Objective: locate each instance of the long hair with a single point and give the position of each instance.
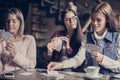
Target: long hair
(118, 22)
(107, 11)
(77, 35)
(79, 32)
(19, 16)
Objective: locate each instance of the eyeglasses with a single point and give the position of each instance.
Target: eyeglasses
(74, 18)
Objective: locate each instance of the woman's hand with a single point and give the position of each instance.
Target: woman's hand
(50, 46)
(67, 41)
(56, 43)
(11, 48)
(97, 56)
(54, 66)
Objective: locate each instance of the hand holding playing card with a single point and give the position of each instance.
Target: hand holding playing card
(11, 48)
(58, 44)
(93, 48)
(55, 44)
(97, 56)
(5, 35)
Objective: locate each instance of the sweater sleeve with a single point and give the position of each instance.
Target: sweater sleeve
(28, 61)
(113, 65)
(77, 60)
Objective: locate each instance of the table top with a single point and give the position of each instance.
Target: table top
(41, 74)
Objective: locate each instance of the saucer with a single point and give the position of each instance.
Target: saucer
(93, 77)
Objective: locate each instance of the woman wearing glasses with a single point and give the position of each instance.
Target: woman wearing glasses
(65, 44)
(104, 35)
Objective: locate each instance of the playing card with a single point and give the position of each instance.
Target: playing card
(93, 48)
(6, 35)
(56, 74)
(2, 32)
(58, 44)
(52, 72)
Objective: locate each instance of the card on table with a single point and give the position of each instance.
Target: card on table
(55, 74)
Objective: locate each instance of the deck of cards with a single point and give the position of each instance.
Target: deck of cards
(5, 34)
(58, 44)
(92, 48)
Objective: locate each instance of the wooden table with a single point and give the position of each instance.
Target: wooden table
(38, 74)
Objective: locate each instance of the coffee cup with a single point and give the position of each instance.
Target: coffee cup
(92, 70)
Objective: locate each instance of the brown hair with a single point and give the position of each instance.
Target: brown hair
(107, 11)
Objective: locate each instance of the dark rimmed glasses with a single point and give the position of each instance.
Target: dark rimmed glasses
(74, 18)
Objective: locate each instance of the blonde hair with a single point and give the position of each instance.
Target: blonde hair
(107, 11)
(19, 16)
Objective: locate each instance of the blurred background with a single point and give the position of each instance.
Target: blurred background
(42, 18)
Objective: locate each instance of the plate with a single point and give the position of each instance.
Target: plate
(93, 77)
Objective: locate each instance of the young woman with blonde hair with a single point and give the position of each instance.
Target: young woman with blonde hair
(104, 35)
(20, 50)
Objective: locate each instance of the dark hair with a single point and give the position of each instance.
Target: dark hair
(77, 35)
(63, 16)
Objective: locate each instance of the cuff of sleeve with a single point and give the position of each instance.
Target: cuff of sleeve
(104, 61)
(16, 56)
(70, 51)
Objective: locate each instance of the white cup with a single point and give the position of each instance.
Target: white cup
(92, 70)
